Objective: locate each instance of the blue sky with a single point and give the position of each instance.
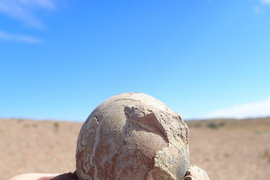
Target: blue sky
(59, 59)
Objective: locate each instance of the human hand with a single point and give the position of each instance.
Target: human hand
(66, 176)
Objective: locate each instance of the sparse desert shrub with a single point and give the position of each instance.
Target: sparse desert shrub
(266, 154)
(213, 125)
(56, 126)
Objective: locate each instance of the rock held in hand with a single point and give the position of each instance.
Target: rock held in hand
(132, 136)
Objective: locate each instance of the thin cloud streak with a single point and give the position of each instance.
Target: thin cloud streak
(20, 38)
(47, 4)
(23, 10)
(250, 110)
(265, 1)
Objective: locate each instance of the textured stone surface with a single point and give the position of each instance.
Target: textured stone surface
(132, 136)
(196, 173)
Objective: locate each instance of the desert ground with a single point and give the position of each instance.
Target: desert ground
(225, 149)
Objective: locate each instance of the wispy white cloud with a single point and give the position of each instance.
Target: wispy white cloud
(16, 37)
(24, 10)
(48, 4)
(250, 110)
(258, 9)
(265, 1)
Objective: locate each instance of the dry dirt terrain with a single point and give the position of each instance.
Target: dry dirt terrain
(225, 149)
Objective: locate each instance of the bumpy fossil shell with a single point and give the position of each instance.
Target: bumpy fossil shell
(132, 136)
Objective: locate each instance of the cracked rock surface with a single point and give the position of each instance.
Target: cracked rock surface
(132, 136)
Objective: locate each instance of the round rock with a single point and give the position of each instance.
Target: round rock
(132, 136)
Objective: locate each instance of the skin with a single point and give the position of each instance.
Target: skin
(65, 176)
(194, 173)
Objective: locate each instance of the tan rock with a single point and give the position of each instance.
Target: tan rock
(132, 136)
(196, 173)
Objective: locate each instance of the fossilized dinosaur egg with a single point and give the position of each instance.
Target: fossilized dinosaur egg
(132, 136)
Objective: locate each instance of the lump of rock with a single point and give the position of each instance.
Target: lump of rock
(196, 173)
(132, 136)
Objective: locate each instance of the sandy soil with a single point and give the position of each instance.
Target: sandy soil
(49, 146)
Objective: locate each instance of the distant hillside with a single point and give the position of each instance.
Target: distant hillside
(257, 124)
